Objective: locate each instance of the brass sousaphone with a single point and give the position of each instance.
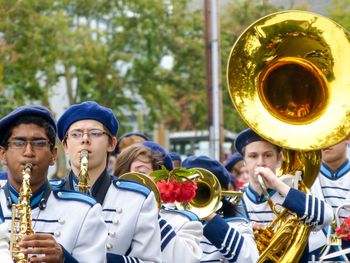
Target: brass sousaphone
(288, 78)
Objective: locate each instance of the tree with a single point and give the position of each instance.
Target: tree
(236, 17)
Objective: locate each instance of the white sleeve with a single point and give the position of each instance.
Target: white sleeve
(181, 244)
(4, 246)
(146, 241)
(91, 241)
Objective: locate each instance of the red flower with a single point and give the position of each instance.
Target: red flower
(175, 191)
(343, 231)
(340, 230)
(168, 190)
(187, 191)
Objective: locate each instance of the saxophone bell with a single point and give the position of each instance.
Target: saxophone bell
(83, 174)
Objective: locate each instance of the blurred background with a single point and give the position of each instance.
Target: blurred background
(151, 61)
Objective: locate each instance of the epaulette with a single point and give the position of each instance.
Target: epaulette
(73, 196)
(236, 219)
(131, 186)
(190, 215)
(3, 175)
(57, 183)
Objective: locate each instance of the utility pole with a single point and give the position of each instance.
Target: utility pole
(213, 73)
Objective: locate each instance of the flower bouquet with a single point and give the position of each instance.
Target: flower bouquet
(343, 231)
(178, 185)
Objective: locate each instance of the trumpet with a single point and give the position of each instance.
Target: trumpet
(145, 180)
(208, 195)
(21, 223)
(83, 174)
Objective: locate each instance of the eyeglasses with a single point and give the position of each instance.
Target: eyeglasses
(78, 134)
(22, 144)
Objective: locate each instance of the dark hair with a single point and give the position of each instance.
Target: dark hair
(227, 209)
(37, 120)
(129, 155)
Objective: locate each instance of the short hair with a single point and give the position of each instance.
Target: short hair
(28, 119)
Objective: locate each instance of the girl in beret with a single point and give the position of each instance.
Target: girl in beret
(180, 232)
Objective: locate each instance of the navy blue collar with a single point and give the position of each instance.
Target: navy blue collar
(334, 175)
(100, 187)
(255, 197)
(39, 198)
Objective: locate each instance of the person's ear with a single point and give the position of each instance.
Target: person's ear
(53, 156)
(3, 157)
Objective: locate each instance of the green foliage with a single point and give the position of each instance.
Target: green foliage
(112, 51)
(180, 174)
(236, 17)
(340, 12)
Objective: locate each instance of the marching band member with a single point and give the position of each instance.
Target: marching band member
(68, 226)
(227, 237)
(181, 231)
(128, 139)
(331, 186)
(176, 158)
(263, 158)
(129, 209)
(236, 166)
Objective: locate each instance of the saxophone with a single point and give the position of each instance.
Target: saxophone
(21, 218)
(83, 174)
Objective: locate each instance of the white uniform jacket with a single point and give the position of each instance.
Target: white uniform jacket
(74, 219)
(312, 210)
(4, 245)
(228, 240)
(181, 233)
(333, 188)
(131, 214)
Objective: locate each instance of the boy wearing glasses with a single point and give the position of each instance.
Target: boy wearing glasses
(68, 226)
(129, 209)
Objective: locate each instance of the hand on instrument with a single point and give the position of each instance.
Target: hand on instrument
(209, 217)
(271, 180)
(44, 245)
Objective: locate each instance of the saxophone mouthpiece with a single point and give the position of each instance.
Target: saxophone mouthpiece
(84, 154)
(28, 166)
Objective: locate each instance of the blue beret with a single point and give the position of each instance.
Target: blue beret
(211, 165)
(232, 160)
(88, 110)
(175, 156)
(246, 137)
(155, 147)
(33, 110)
(129, 134)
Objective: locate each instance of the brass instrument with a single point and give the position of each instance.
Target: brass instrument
(83, 176)
(21, 224)
(145, 180)
(208, 195)
(287, 77)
